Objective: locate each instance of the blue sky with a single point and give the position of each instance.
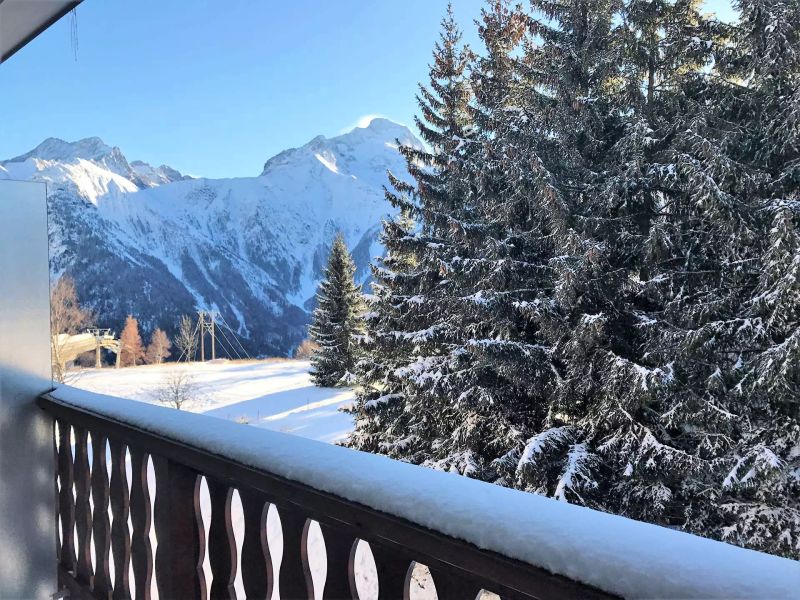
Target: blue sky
(214, 88)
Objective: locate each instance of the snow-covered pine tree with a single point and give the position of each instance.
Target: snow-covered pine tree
(499, 377)
(470, 373)
(611, 302)
(381, 420)
(667, 457)
(596, 421)
(635, 455)
(702, 266)
(760, 493)
(411, 320)
(337, 320)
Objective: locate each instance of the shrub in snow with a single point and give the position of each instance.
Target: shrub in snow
(177, 389)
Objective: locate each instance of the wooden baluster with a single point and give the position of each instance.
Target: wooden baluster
(394, 573)
(294, 580)
(66, 500)
(257, 575)
(101, 527)
(454, 585)
(120, 537)
(83, 511)
(180, 533)
(56, 494)
(141, 552)
(221, 541)
(340, 552)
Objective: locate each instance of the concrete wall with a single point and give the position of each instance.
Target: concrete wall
(27, 496)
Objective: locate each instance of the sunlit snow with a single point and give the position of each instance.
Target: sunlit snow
(273, 394)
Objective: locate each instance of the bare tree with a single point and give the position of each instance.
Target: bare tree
(178, 389)
(186, 340)
(67, 317)
(159, 347)
(306, 349)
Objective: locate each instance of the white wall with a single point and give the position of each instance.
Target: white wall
(27, 496)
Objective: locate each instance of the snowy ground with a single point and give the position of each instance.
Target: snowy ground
(275, 394)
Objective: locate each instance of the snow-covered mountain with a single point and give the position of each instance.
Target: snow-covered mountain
(156, 244)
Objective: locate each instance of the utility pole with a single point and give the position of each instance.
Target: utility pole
(202, 328)
(213, 337)
(207, 323)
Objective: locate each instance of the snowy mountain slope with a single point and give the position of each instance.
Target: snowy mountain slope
(152, 243)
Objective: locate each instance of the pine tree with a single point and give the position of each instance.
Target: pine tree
(572, 67)
(759, 500)
(499, 372)
(159, 349)
(381, 420)
(593, 292)
(411, 323)
(132, 352)
(338, 319)
(635, 457)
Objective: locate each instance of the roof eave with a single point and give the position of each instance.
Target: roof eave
(6, 53)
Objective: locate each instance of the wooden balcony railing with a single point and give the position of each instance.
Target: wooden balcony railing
(459, 569)
(472, 536)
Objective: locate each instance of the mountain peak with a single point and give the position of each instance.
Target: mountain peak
(372, 146)
(383, 124)
(95, 150)
(147, 176)
(90, 148)
(379, 131)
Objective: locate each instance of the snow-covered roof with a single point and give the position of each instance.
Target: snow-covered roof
(618, 555)
(23, 20)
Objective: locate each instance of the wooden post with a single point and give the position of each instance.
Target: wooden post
(178, 522)
(97, 362)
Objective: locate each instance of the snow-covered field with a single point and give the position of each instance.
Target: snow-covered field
(275, 394)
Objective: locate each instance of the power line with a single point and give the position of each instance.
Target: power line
(224, 323)
(222, 331)
(229, 348)
(207, 321)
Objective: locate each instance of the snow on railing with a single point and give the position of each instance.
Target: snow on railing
(514, 540)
